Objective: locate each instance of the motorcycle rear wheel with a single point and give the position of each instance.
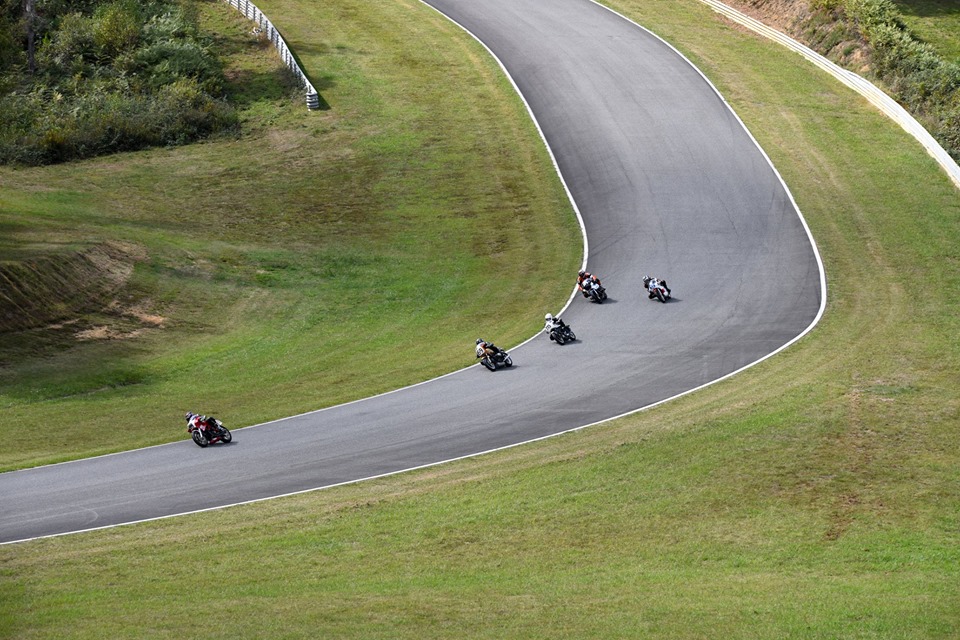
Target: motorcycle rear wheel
(571, 335)
(226, 436)
(507, 361)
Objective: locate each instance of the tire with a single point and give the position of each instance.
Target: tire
(560, 338)
(507, 361)
(488, 364)
(227, 436)
(662, 298)
(571, 335)
(200, 439)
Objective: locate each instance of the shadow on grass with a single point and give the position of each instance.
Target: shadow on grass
(246, 88)
(929, 8)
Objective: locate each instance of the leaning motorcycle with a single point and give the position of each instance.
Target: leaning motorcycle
(595, 291)
(207, 431)
(659, 292)
(562, 334)
(499, 358)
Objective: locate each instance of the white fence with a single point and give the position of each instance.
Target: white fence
(875, 96)
(252, 12)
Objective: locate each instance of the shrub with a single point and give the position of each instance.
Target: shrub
(116, 28)
(166, 61)
(115, 75)
(926, 84)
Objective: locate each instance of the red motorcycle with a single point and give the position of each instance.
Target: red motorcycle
(208, 430)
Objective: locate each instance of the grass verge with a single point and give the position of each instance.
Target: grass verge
(815, 495)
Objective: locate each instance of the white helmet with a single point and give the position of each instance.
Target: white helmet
(549, 316)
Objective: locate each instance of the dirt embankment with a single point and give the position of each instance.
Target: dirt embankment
(814, 24)
(55, 289)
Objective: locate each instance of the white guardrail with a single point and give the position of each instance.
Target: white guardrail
(252, 12)
(874, 95)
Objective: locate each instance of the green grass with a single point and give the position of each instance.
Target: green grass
(936, 22)
(277, 272)
(816, 495)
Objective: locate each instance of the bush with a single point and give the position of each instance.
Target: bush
(115, 75)
(116, 28)
(167, 61)
(926, 84)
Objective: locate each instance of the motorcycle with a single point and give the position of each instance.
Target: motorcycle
(206, 431)
(499, 358)
(562, 334)
(595, 291)
(659, 291)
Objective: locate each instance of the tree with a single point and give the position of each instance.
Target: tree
(30, 11)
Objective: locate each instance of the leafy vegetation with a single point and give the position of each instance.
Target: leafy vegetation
(920, 78)
(936, 22)
(105, 76)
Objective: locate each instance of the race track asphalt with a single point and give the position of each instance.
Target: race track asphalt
(667, 181)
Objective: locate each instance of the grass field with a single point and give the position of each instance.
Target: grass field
(816, 495)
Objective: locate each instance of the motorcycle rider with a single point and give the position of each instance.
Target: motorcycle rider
(485, 349)
(550, 324)
(653, 283)
(197, 421)
(586, 276)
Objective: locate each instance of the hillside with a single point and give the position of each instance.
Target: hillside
(873, 39)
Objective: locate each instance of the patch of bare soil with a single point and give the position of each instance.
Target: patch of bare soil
(104, 332)
(818, 26)
(782, 14)
(54, 290)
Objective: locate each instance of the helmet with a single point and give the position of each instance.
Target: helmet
(189, 415)
(582, 273)
(646, 279)
(549, 316)
(479, 340)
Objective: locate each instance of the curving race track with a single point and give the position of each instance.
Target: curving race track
(667, 182)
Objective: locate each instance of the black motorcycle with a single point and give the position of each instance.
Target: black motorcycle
(562, 334)
(595, 291)
(499, 358)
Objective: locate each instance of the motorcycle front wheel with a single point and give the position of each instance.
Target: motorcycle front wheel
(200, 439)
(489, 364)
